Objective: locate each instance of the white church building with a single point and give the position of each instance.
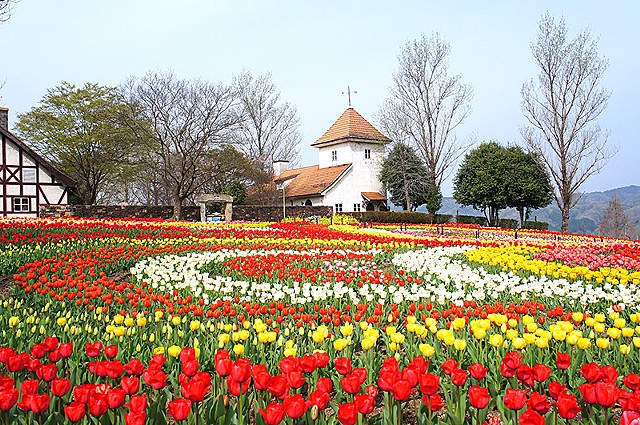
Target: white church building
(27, 181)
(350, 157)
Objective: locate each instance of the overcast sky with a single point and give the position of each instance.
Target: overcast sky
(315, 49)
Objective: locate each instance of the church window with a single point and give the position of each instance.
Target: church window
(367, 154)
(334, 155)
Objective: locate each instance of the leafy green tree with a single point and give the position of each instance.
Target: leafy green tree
(80, 131)
(527, 182)
(480, 180)
(493, 177)
(405, 177)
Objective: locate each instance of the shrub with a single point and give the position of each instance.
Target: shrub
(471, 219)
(508, 223)
(408, 217)
(536, 225)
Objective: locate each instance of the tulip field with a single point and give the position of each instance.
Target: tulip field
(168, 322)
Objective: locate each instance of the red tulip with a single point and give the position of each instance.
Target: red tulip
(348, 413)
(130, 384)
(135, 418)
(459, 377)
(38, 351)
(17, 362)
(111, 351)
(514, 399)
(51, 343)
(8, 398)
(449, 366)
(6, 383)
(236, 388)
(512, 360)
(223, 366)
(295, 379)
(479, 397)
(322, 359)
(563, 361)
(40, 403)
(47, 372)
(93, 350)
(308, 364)
(324, 384)
(137, 403)
(116, 397)
(29, 386)
(60, 387)
(295, 406)
(25, 403)
(195, 390)
(556, 388)
(591, 372)
(289, 364)
(630, 418)
(506, 371)
(179, 409)
(632, 381)
(410, 374)
(350, 384)
(134, 367)
(75, 411)
(155, 378)
(98, 404)
(477, 371)
(187, 353)
(241, 370)
(539, 403)
(55, 356)
(81, 393)
(420, 363)
(273, 414)
(190, 367)
(365, 403)
(606, 394)
(387, 379)
(278, 386)
(567, 405)
(402, 390)
(588, 392)
(66, 349)
(610, 374)
(433, 402)
(260, 377)
(319, 398)
(157, 361)
(541, 372)
(429, 383)
(531, 418)
(343, 365)
(525, 374)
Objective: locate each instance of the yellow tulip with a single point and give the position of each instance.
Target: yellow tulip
(496, 340)
(459, 344)
(603, 343)
(584, 343)
(174, 351)
(625, 349)
(194, 325)
(238, 349)
(427, 350)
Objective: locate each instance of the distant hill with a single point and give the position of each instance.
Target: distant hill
(585, 216)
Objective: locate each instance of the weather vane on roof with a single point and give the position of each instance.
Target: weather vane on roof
(348, 93)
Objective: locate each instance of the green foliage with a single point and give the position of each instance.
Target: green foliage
(471, 219)
(407, 179)
(493, 177)
(237, 190)
(433, 200)
(535, 225)
(508, 223)
(80, 131)
(400, 217)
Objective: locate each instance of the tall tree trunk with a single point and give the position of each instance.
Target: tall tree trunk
(564, 209)
(177, 207)
(521, 211)
(406, 192)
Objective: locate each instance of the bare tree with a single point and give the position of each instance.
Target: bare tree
(426, 104)
(269, 127)
(185, 120)
(615, 223)
(5, 9)
(561, 106)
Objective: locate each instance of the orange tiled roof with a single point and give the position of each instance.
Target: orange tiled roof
(351, 125)
(374, 196)
(309, 181)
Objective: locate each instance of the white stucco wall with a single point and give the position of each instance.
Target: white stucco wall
(13, 155)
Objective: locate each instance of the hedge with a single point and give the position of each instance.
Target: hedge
(536, 225)
(508, 223)
(400, 217)
(471, 219)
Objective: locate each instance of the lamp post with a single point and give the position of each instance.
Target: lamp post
(284, 203)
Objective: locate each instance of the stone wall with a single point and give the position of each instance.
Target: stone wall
(189, 213)
(274, 213)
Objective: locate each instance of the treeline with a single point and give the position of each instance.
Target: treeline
(162, 140)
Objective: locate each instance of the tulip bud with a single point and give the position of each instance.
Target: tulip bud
(225, 400)
(314, 412)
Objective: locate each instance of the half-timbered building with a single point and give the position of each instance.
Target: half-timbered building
(28, 181)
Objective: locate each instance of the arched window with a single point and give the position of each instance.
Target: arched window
(308, 203)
